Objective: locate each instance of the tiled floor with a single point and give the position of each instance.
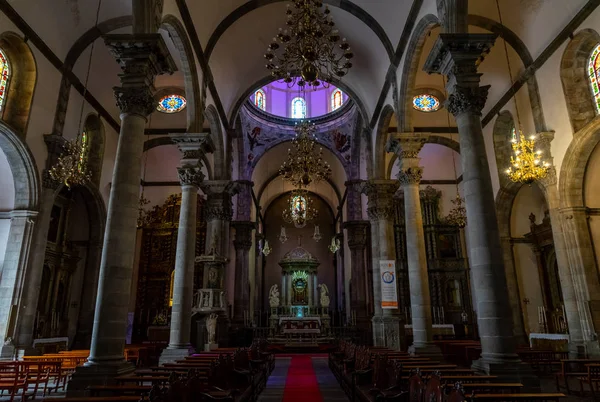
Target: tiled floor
(328, 385)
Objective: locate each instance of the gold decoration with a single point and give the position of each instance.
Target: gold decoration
(300, 210)
(70, 167)
(310, 45)
(304, 166)
(457, 215)
(527, 166)
(266, 249)
(335, 245)
(143, 215)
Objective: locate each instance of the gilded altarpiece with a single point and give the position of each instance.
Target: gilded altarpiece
(157, 263)
(448, 268)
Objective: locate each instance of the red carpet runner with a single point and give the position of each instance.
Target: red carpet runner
(301, 384)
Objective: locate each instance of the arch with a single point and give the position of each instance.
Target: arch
(17, 103)
(274, 177)
(411, 66)
(432, 139)
(330, 208)
(594, 75)
(574, 76)
(94, 131)
(5, 73)
(268, 79)
(298, 108)
(252, 5)
(162, 141)
(381, 137)
(182, 43)
(23, 167)
(216, 132)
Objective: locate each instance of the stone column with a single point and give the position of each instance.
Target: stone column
(193, 146)
(242, 244)
(407, 148)
(388, 330)
(12, 280)
(357, 243)
(457, 56)
(218, 213)
(141, 57)
(26, 321)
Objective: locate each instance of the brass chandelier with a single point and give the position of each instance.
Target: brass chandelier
(310, 46)
(71, 166)
(304, 165)
(526, 165)
(300, 210)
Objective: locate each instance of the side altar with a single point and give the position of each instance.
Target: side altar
(302, 308)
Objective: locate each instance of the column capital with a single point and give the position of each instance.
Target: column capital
(218, 200)
(467, 100)
(381, 198)
(357, 234)
(190, 176)
(243, 234)
(410, 176)
(193, 146)
(135, 100)
(406, 146)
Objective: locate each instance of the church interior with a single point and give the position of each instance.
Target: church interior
(302, 200)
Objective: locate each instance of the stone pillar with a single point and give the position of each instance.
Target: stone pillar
(193, 146)
(141, 57)
(26, 322)
(242, 244)
(388, 330)
(407, 148)
(457, 56)
(12, 280)
(357, 243)
(218, 213)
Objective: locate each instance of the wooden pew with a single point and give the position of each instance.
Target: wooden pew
(525, 397)
(571, 368)
(118, 390)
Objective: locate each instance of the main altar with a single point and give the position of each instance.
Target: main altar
(301, 311)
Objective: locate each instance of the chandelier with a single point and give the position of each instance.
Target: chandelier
(527, 166)
(457, 215)
(304, 164)
(335, 245)
(71, 166)
(300, 210)
(310, 45)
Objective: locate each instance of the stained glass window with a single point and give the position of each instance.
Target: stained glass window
(260, 99)
(337, 99)
(4, 78)
(426, 103)
(298, 108)
(84, 151)
(171, 104)
(594, 74)
(299, 207)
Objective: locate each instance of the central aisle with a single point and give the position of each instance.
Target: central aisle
(302, 378)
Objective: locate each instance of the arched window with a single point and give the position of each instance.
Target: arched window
(298, 207)
(260, 99)
(4, 79)
(594, 74)
(298, 108)
(337, 99)
(83, 156)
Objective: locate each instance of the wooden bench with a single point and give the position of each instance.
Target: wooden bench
(541, 397)
(132, 398)
(489, 387)
(572, 368)
(118, 390)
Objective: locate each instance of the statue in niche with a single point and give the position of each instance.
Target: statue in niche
(206, 300)
(213, 276)
(211, 327)
(324, 295)
(274, 296)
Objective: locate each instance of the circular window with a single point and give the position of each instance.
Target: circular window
(171, 104)
(426, 103)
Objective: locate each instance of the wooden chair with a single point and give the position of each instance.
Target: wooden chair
(592, 379)
(433, 390)
(456, 394)
(416, 387)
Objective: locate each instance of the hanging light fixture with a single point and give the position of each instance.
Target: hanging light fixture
(282, 235)
(71, 166)
(335, 245)
(317, 234)
(526, 163)
(310, 46)
(304, 164)
(266, 249)
(300, 210)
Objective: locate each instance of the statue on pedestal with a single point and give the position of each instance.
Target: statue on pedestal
(274, 296)
(324, 295)
(211, 326)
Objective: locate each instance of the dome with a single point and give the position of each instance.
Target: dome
(299, 254)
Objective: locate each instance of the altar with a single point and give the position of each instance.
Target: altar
(300, 325)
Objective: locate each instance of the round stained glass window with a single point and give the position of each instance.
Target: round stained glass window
(426, 103)
(171, 104)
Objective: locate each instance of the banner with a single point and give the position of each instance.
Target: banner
(387, 273)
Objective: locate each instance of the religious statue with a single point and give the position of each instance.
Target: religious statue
(324, 295)
(274, 296)
(213, 276)
(211, 326)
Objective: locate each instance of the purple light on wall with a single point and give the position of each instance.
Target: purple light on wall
(279, 98)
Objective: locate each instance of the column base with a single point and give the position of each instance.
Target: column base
(209, 347)
(509, 370)
(388, 331)
(7, 352)
(431, 351)
(96, 374)
(172, 354)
